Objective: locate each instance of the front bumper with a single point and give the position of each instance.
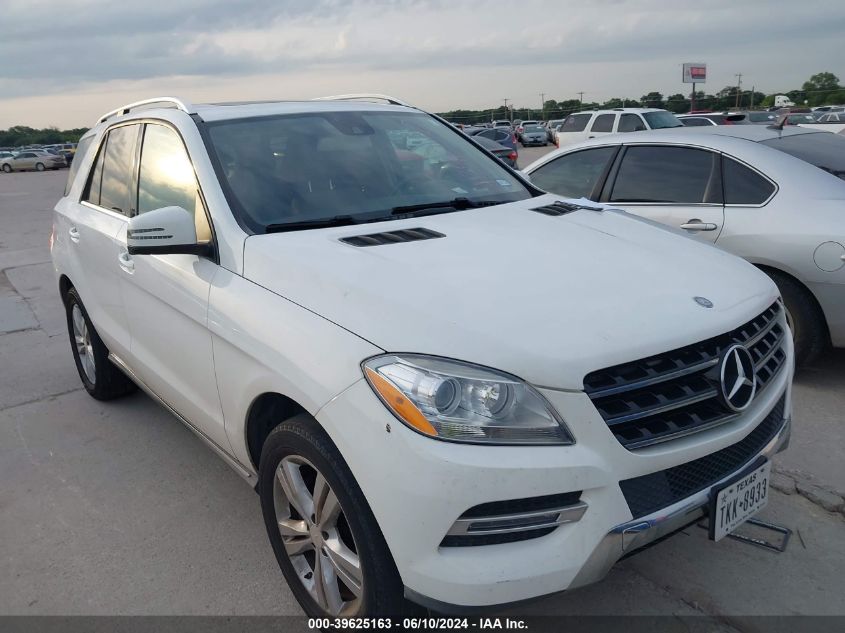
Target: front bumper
(417, 489)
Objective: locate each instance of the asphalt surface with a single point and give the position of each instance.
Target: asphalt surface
(115, 508)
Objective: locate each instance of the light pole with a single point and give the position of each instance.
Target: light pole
(738, 87)
(580, 98)
(506, 109)
(543, 106)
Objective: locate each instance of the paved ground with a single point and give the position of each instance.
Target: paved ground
(114, 508)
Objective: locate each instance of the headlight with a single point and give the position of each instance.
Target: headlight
(460, 402)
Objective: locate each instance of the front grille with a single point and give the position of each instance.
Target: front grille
(659, 490)
(677, 393)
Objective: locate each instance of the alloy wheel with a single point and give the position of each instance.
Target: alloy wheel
(316, 536)
(84, 348)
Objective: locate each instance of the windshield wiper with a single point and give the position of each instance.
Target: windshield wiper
(456, 204)
(338, 220)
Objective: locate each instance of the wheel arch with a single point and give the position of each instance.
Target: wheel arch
(815, 302)
(266, 412)
(65, 284)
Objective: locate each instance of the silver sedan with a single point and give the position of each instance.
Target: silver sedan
(774, 197)
(39, 161)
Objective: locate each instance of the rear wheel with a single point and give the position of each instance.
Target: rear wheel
(101, 379)
(325, 537)
(806, 321)
(7, 168)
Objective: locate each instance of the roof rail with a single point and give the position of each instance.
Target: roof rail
(364, 97)
(181, 104)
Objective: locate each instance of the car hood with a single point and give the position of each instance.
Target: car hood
(547, 298)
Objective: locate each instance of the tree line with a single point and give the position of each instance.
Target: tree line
(820, 89)
(18, 135)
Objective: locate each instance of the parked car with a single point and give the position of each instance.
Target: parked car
(519, 127)
(799, 118)
(774, 197)
(32, 160)
(550, 128)
(501, 135)
(533, 135)
(832, 117)
(584, 125)
(714, 118)
(506, 154)
(571, 386)
(762, 118)
(502, 123)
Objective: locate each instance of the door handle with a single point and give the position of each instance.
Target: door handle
(697, 225)
(126, 262)
(74, 234)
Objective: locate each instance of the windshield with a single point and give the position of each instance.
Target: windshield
(659, 120)
(824, 150)
(352, 167)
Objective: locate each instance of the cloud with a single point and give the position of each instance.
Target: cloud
(606, 47)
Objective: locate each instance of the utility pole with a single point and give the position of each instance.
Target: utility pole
(580, 98)
(751, 104)
(506, 109)
(543, 105)
(738, 87)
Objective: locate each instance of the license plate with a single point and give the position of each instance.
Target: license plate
(739, 500)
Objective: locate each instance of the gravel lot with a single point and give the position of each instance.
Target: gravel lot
(115, 508)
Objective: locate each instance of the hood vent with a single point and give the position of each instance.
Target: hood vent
(562, 208)
(391, 237)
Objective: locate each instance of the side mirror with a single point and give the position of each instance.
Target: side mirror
(165, 231)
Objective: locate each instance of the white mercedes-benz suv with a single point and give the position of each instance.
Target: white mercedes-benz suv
(449, 388)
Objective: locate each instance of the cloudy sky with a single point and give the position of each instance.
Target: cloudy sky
(66, 62)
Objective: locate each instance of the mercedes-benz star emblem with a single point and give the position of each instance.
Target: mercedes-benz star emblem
(738, 380)
(703, 302)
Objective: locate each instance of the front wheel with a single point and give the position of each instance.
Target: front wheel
(7, 168)
(325, 537)
(39, 167)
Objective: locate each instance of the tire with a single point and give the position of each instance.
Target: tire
(39, 166)
(809, 330)
(7, 168)
(101, 379)
(300, 448)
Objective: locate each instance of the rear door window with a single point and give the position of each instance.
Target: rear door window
(603, 123)
(574, 175)
(660, 174)
(744, 185)
(631, 123)
(111, 178)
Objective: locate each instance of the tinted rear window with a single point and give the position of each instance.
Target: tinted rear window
(659, 120)
(74, 166)
(825, 151)
(668, 174)
(575, 123)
